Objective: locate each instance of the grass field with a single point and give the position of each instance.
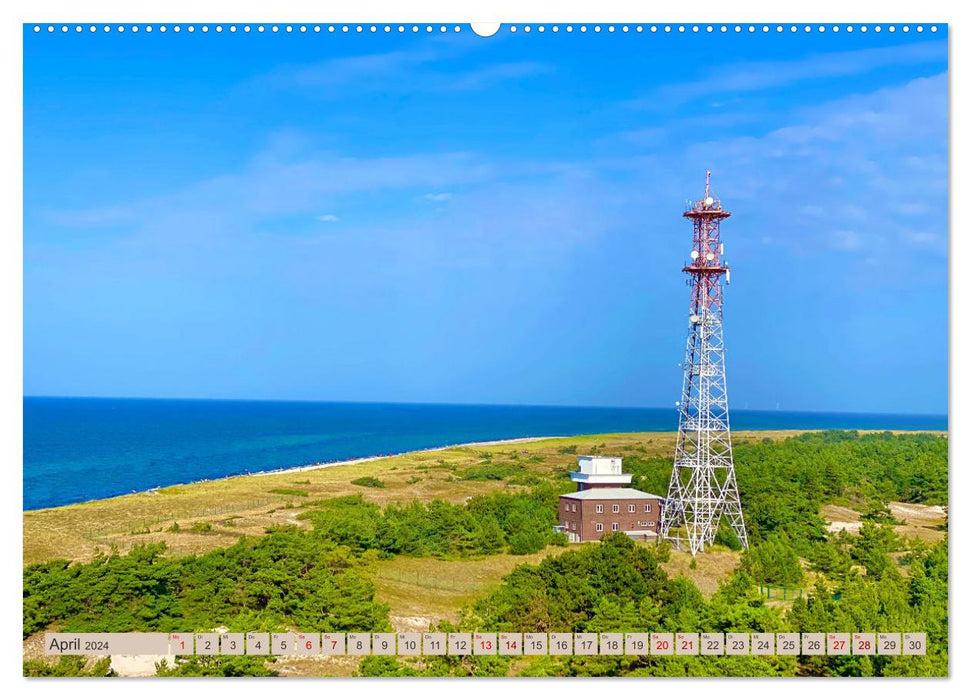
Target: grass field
(224, 509)
(424, 590)
(216, 513)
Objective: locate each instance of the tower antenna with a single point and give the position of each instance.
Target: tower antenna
(703, 489)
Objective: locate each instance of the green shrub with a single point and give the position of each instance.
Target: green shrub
(774, 561)
(290, 492)
(369, 481)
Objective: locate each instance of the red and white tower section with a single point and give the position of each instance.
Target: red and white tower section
(703, 490)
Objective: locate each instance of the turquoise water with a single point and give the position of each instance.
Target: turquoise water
(82, 449)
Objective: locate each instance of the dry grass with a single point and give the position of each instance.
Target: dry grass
(246, 505)
(316, 666)
(422, 591)
(712, 567)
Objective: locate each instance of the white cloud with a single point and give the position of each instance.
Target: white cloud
(332, 218)
(827, 179)
(846, 240)
(427, 69)
(281, 183)
(911, 208)
(844, 168)
(926, 240)
(753, 76)
(491, 74)
(647, 136)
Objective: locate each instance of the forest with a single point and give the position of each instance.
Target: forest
(317, 578)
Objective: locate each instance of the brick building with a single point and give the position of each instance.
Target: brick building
(604, 502)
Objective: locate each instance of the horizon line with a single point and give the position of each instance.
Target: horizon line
(471, 404)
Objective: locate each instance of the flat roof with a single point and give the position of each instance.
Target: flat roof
(597, 457)
(608, 493)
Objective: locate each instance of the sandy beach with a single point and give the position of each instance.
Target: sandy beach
(362, 460)
(340, 463)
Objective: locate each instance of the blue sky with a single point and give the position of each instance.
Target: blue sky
(450, 218)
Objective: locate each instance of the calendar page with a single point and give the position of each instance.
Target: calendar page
(404, 349)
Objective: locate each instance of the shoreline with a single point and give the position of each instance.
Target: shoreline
(372, 458)
(155, 490)
(305, 468)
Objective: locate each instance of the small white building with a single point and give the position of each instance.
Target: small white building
(599, 472)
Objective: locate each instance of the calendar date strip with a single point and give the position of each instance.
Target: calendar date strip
(488, 644)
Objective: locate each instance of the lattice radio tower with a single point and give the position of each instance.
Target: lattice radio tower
(703, 489)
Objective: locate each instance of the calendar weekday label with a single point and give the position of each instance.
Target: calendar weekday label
(489, 643)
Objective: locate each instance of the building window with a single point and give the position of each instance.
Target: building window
(615, 526)
(574, 507)
(616, 508)
(631, 508)
(600, 527)
(647, 507)
(600, 509)
(651, 524)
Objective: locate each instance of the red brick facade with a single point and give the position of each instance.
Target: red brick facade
(587, 519)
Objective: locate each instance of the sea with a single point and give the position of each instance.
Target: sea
(79, 449)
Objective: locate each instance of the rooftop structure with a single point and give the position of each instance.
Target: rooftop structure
(610, 493)
(599, 472)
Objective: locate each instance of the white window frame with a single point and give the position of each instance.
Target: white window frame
(600, 508)
(647, 507)
(600, 527)
(631, 508)
(615, 527)
(616, 508)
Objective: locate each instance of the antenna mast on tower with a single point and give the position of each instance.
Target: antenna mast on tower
(703, 489)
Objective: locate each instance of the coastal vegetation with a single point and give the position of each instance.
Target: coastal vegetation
(248, 505)
(287, 578)
(620, 586)
(519, 523)
(319, 564)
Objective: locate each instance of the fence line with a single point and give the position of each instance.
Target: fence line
(773, 592)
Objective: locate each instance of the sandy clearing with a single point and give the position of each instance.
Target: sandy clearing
(916, 520)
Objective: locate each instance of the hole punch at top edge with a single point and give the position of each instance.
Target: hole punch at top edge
(485, 29)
